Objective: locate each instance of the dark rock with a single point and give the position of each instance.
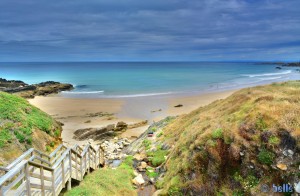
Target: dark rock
(139, 124)
(165, 147)
(11, 83)
(29, 91)
(287, 141)
(178, 106)
(121, 126)
(265, 136)
(294, 64)
(278, 67)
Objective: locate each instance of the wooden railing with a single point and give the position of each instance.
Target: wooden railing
(36, 173)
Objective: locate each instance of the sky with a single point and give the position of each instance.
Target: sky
(149, 30)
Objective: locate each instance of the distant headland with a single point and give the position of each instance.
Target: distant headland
(30, 91)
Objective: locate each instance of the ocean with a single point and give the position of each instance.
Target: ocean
(141, 79)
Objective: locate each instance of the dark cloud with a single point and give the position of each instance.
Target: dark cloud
(149, 30)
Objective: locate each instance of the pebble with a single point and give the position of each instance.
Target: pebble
(291, 153)
(282, 166)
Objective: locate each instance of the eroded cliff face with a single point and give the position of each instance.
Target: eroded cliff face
(30, 91)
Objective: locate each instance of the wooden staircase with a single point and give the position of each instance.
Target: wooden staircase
(36, 173)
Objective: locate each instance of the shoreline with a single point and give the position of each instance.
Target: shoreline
(80, 113)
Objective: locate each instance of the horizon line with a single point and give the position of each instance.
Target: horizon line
(163, 61)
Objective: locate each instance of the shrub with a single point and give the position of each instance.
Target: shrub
(147, 144)
(57, 133)
(160, 134)
(274, 140)
(151, 174)
(153, 129)
(19, 136)
(217, 134)
(5, 137)
(157, 157)
(52, 144)
(260, 124)
(249, 182)
(266, 157)
(29, 140)
(174, 188)
(48, 148)
(211, 143)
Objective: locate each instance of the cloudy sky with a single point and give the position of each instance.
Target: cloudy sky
(149, 30)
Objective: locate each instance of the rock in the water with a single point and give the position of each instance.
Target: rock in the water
(282, 166)
(139, 180)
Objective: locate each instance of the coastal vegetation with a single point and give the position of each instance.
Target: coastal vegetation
(23, 126)
(235, 145)
(108, 181)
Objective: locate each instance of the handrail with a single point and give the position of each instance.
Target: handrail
(13, 171)
(85, 150)
(61, 164)
(56, 150)
(40, 165)
(21, 158)
(40, 159)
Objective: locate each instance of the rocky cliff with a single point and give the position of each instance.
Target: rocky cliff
(29, 91)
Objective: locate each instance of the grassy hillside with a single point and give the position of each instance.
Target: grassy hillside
(235, 145)
(108, 181)
(23, 126)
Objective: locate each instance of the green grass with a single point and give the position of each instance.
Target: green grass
(217, 134)
(243, 117)
(274, 140)
(18, 110)
(21, 119)
(107, 182)
(157, 157)
(5, 137)
(147, 144)
(266, 157)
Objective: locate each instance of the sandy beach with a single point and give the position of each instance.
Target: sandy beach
(78, 113)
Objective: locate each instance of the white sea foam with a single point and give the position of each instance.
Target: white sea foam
(83, 92)
(140, 95)
(268, 74)
(270, 78)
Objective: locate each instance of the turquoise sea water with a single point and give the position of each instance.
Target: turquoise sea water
(138, 79)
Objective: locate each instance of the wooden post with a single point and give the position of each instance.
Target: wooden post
(42, 180)
(95, 160)
(89, 160)
(81, 170)
(53, 183)
(99, 156)
(76, 166)
(63, 173)
(27, 177)
(70, 171)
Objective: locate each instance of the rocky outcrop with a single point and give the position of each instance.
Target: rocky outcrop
(30, 91)
(294, 64)
(105, 133)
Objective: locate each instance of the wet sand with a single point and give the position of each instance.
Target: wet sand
(78, 113)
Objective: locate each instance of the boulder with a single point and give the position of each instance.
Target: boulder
(143, 165)
(121, 126)
(139, 180)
